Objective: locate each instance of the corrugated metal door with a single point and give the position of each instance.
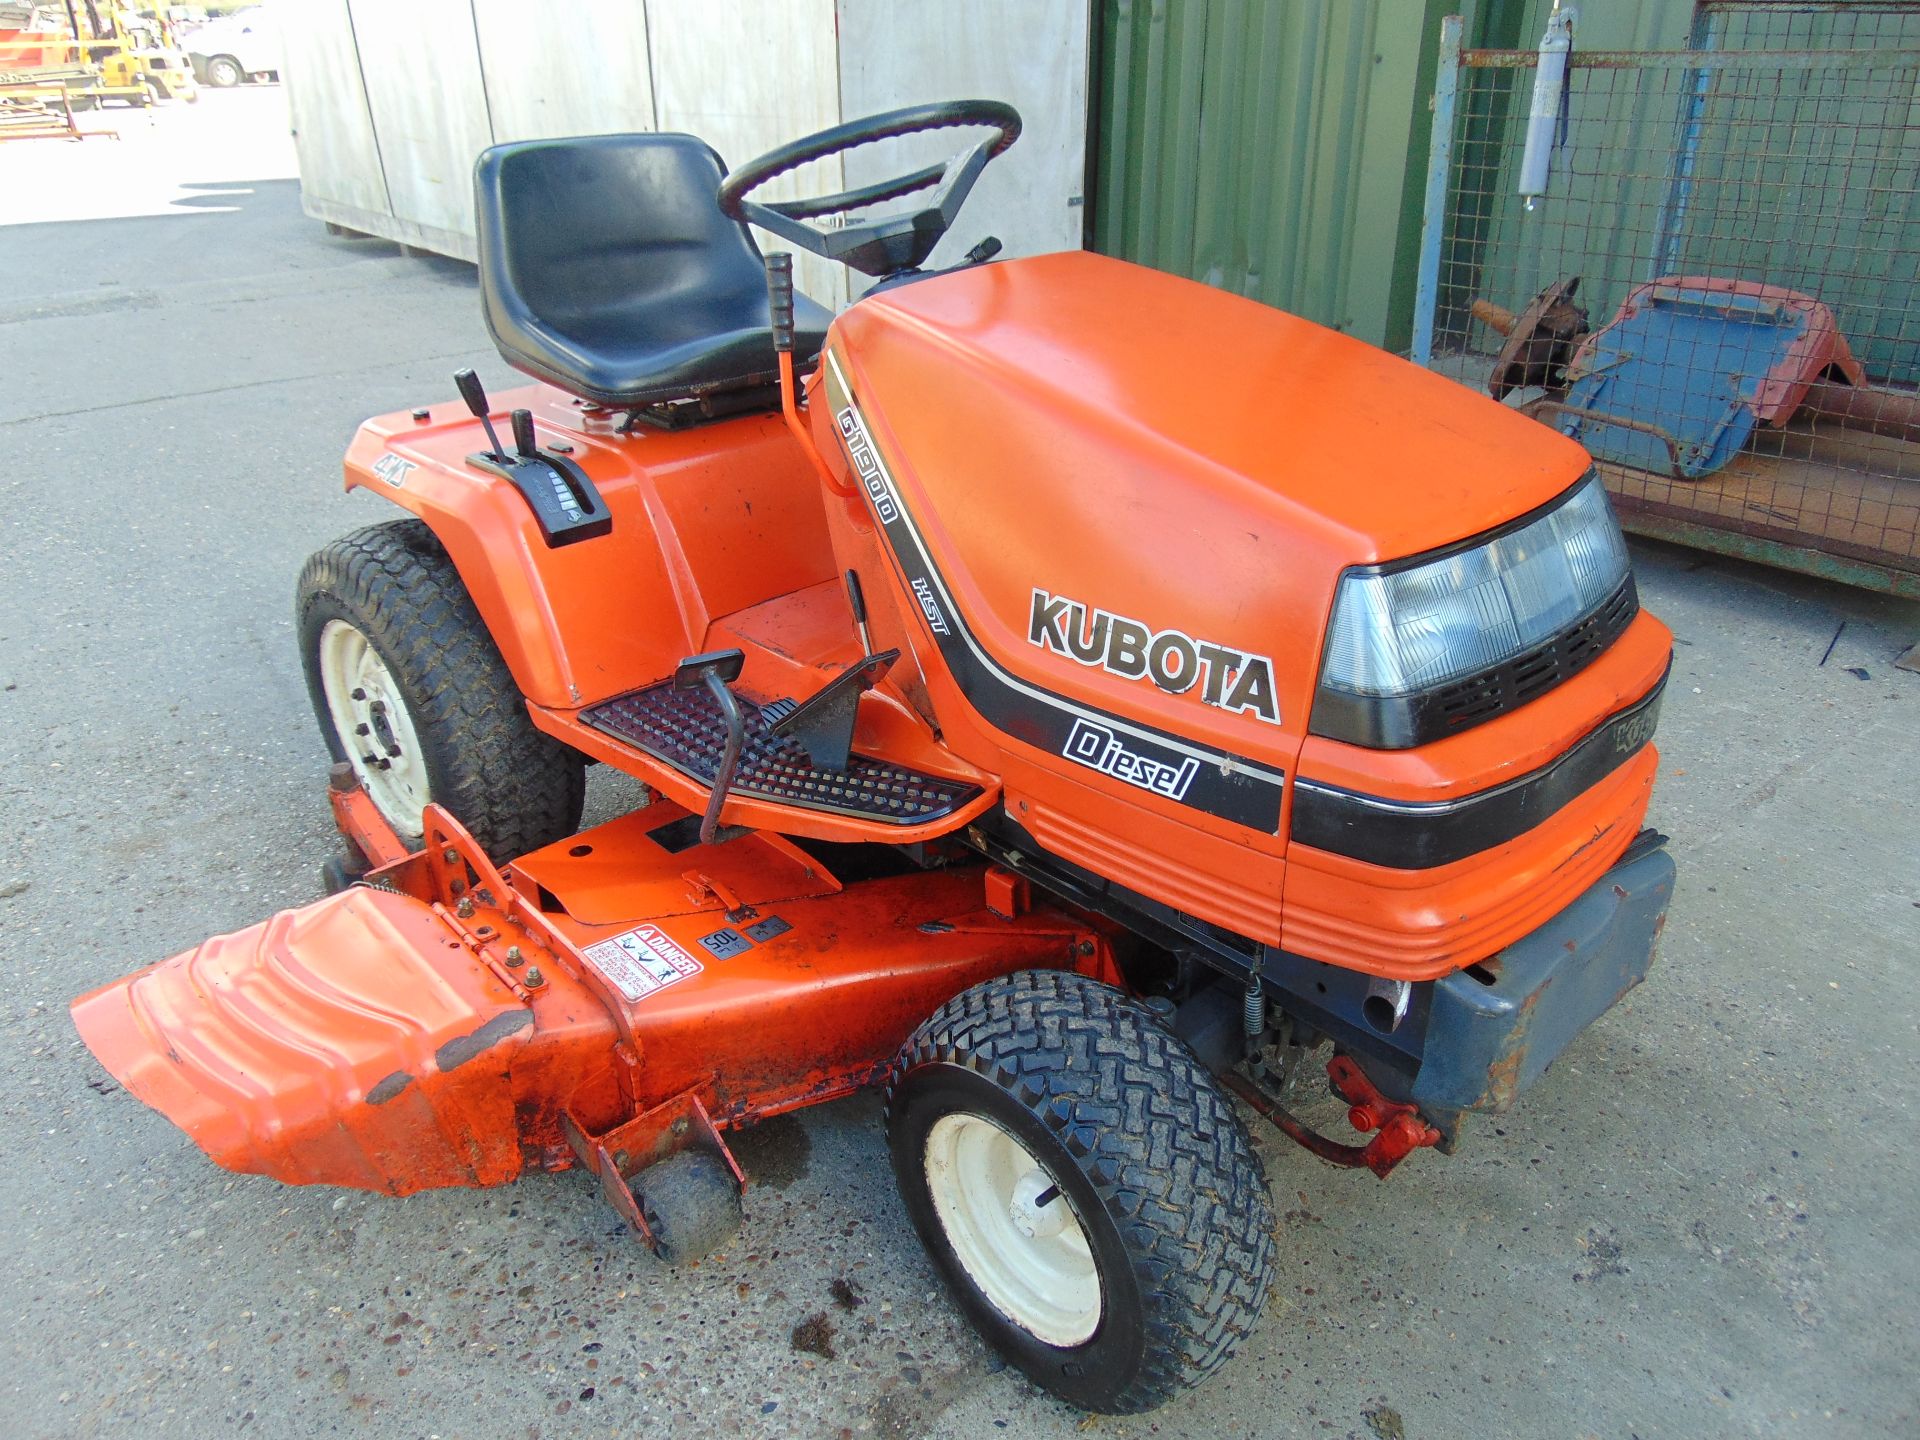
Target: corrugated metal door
(1272, 149)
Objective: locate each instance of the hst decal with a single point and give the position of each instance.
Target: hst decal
(1176, 662)
(929, 606)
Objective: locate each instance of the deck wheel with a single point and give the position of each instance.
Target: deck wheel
(691, 1202)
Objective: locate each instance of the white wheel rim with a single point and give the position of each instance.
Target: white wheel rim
(1013, 1229)
(374, 726)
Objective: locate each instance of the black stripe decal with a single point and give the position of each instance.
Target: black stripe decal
(1420, 835)
(1207, 780)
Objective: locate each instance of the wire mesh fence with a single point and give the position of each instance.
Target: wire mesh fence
(1716, 292)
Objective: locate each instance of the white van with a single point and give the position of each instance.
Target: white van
(242, 46)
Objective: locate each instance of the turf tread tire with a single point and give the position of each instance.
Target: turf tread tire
(1152, 1132)
(513, 787)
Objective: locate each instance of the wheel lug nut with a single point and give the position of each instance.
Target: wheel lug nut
(363, 729)
(359, 694)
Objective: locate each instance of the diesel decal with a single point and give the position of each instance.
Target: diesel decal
(1175, 662)
(860, 451)
(1097, 746)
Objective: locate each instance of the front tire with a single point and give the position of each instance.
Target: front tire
(412, 692)
(224, 72)
(1085, 1186)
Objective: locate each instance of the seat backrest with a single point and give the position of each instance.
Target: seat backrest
(584, 237)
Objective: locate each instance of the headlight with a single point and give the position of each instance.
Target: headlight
(1425, 647)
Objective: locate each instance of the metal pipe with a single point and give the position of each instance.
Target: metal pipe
(1433, 217)
(1386, 1004)
(729, 756)
(1862, 407)
(1670, 228)
(1546, 129)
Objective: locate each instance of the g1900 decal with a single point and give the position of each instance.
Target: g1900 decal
(1173, 661)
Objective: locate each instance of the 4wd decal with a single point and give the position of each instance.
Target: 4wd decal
(1174, 661)
(392, 469)
(641, 962)
(1211, 781)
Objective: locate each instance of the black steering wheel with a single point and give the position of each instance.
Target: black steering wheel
(885, 244)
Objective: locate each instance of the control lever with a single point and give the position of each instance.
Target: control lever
(714, 671)
(564, 500)
(523, 438)
(780, 300)
(859, 603)
(475, 394)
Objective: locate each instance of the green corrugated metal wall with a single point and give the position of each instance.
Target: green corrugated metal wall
(1277, 149)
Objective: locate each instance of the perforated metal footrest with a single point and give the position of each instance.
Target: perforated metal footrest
(684, 729)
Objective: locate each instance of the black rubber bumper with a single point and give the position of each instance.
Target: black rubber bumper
(1494, 1028)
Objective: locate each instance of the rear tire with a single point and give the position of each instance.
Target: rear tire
(1167, 1201)
(391, 640)
(223, 72)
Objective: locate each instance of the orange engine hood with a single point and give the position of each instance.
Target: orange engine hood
(1185, 459)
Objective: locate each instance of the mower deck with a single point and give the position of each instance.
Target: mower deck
(607, 1001)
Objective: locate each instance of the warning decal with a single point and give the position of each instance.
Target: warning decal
(641, 961)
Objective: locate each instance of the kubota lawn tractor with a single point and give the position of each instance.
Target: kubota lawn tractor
(1064, 695)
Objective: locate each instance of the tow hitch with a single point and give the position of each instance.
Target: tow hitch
(1398, 1129)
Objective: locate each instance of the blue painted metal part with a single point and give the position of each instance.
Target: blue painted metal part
(1685, 368)
(1473, 1040)
(1487, 1042)
(1433, 221)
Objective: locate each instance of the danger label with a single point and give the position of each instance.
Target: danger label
(641, 962)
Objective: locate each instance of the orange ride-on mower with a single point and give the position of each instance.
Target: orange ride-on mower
(1064, 694)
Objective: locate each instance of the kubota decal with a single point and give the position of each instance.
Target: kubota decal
(641, 962)
(1174, 661)
(1211, 781)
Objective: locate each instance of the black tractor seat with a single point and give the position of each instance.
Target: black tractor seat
(607, 269)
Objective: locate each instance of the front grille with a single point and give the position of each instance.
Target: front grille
(1511, 684)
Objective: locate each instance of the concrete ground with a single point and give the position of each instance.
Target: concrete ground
(1701, 1223)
